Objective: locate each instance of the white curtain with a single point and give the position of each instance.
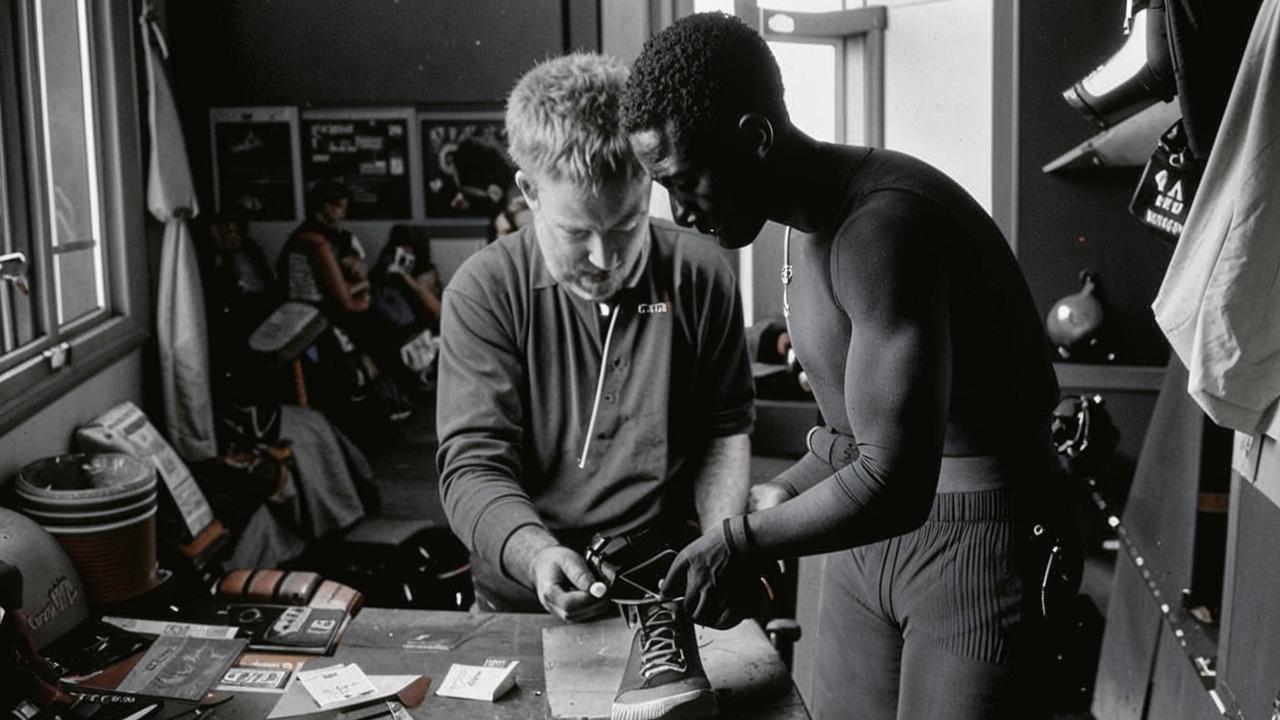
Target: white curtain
(180, 317)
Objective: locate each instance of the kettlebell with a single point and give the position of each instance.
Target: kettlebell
(1075, 320)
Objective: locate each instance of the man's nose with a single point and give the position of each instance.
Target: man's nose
(682, 214)
(600, 253)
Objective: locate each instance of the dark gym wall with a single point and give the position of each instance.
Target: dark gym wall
(441, 53)
(1075, 220)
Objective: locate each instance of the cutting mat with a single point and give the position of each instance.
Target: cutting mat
(584, 663)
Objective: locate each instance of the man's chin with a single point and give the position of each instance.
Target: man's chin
(736, 234)
(734, 237)
(733, 241)
(594, 292)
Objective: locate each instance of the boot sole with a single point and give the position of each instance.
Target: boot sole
(691, 705)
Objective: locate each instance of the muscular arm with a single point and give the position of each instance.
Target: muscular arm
(720, 489)
(807, 472)
(890, 277)
(329, 270)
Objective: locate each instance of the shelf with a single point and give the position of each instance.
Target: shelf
(1128, 144)
(1141, 378)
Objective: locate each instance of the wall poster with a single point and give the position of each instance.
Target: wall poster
(467, 172)
(366, 150)
(255, 161)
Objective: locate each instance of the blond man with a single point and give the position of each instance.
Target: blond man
(593, 374)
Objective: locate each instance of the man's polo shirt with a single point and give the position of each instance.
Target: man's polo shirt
(523, 367)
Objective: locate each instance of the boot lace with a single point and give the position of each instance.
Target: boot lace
(659, 641)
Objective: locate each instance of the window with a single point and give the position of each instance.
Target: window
(71, 202)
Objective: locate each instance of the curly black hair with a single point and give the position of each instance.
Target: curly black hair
(701, 74)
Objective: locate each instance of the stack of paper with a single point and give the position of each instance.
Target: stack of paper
(336, 685)
(479, 682)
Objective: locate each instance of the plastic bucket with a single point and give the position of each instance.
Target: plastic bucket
(83, 482)
(101, 508)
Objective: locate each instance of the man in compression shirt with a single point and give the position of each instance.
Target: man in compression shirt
(593, 370)
(928, 363)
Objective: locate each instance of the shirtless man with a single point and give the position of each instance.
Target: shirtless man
(928, 362)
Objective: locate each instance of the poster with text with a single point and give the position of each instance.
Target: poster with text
(369, 155)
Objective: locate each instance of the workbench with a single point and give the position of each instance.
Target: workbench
(510, 636)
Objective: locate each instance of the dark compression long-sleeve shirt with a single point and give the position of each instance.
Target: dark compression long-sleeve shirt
(521, 372)
(920, 338)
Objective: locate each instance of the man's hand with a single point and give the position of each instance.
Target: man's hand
(719, 590)
(767, 495)
(565, 585)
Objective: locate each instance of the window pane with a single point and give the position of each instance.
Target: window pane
(16, 312)
(70, 154)
(809, 78)
(802, 5)
(75, 271)
(17, 319)
(724, 6)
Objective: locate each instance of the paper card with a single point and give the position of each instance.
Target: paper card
(479, 682)
(336, 684)
(174, 629)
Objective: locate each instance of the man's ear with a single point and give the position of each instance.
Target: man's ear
(527, 189)
(756, 134)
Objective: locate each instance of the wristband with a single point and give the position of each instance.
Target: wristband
(737, 536)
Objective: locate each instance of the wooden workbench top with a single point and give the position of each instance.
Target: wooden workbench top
(378, 641)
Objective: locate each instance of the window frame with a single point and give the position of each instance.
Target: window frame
(28, 379)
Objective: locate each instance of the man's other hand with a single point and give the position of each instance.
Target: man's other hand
(767, 495)
(566, 586)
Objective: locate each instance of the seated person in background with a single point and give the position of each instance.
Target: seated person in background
(593, 375)
(406, 297)
(406, 283)
(513, 215)
(238, 278)
(237, 284)
(323, 263)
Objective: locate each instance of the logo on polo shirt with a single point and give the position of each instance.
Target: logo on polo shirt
(654, 308)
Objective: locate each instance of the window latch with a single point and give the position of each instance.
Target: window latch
(59, 356)
(13, 268)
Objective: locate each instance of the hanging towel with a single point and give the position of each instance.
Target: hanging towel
(1219, 304)
(180, 318)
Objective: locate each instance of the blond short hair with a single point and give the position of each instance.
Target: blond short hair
(564, 119)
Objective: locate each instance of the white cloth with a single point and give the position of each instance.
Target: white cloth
(180, 318)
(1220, 301)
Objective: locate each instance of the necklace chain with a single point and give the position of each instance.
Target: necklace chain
(787, 271)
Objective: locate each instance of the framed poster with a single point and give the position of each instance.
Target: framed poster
(465, 166)
(366, 150)
(255, 161)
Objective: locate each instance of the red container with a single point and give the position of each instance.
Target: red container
(102, 510)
